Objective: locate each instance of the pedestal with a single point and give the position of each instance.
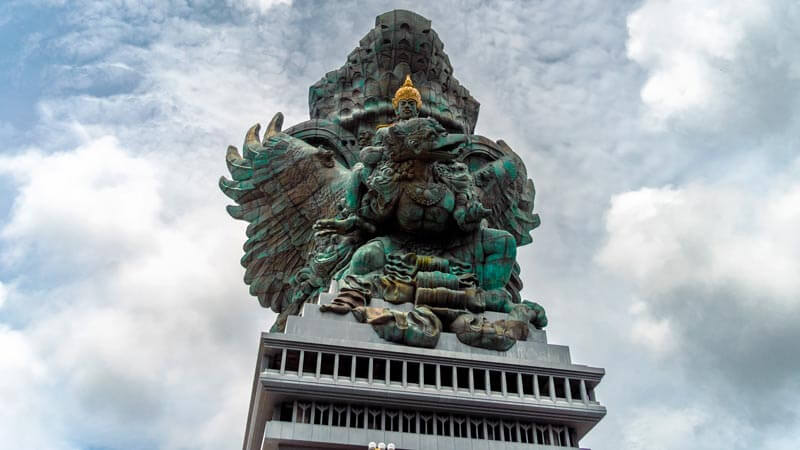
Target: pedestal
(331, 382)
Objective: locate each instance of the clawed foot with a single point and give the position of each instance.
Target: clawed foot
(338, 308)
(345, 302)
(531, 312)
(324, 227)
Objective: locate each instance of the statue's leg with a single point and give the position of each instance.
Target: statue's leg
(367, 259)
(499, 250)
(356, 290)
(357, 177)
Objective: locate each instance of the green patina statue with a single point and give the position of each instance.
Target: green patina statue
(419, 210)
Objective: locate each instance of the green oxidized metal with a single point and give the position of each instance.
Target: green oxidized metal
(387, 192)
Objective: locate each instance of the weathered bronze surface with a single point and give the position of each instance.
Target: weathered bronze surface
(387, 191)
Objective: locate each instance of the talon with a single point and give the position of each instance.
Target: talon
(251, 140)
(274, 126)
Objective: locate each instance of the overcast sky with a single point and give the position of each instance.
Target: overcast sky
(662, 137)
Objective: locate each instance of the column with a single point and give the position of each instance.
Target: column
(568, 390)
(471, 381)
(300, 366)
(335, 367)
(283, 361)
(584, 394)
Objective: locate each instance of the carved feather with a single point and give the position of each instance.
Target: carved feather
(281, 186)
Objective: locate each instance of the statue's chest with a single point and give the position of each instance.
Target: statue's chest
(425, 206)
(425, 194)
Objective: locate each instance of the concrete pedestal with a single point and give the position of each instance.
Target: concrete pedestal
(331, 382)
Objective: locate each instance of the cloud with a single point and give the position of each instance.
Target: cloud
(671, 237)
(717, 68)
(715, 268)
(262, 6)
(654, 334)
(140, 305)
(23, 377)
(663, 429)
(78, 204)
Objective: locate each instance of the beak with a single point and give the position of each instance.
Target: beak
(447, 146)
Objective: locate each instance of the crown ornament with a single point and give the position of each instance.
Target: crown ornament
(407, 92)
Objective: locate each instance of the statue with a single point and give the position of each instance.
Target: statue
(417, 211)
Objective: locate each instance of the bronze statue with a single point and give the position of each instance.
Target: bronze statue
(426, 213)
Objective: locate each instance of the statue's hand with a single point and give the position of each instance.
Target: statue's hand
(476, 212)
(469, 217)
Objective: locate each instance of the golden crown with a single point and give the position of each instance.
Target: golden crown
(407, 92)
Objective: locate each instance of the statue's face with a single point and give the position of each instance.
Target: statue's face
(365, 137)
(406, 109)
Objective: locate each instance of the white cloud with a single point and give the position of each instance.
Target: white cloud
(3, 293)
(654, 334)
(664, 429)
(695, 426)
(23, 381)
(715, 268)
(669, 238)
(263, 6)
(78, 204)
(143, 308)
(686, 47)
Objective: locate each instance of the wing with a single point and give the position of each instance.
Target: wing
(281, 186)
(503, 186)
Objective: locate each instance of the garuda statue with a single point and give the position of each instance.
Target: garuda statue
(386, 194)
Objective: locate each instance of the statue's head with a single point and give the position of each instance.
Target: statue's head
(365, 136)
(407, 101)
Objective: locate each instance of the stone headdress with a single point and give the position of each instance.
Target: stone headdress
(407, 92)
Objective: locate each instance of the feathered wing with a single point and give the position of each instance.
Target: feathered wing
(503, 186)
(281, 186)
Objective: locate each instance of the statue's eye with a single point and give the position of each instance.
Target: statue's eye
(412, 142)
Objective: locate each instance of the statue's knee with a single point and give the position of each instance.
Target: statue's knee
(499, 243)
(368, 258)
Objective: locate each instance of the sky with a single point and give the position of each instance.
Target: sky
(662, 136)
